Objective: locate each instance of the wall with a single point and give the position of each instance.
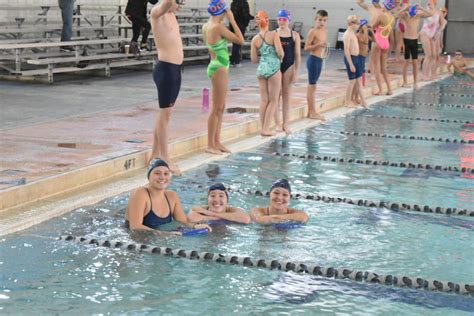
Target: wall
(460, 28)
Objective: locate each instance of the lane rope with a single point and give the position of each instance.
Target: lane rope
(298, 267)
(427, 119)
(394, 206)
(377, 162)
(460, 106)
(410, 137)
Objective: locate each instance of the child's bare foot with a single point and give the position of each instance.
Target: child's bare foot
(389, 92)
(317, 116)
(214, 151)
(350, 105)
(174, 169)
(363, 104)
(287, 130)
(267, 133)
(279, 128)
(378, 93)
(223, 149)
(405, 85)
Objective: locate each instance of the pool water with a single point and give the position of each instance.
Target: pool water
(48, 276)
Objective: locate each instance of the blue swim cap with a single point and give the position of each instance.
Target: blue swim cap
(363, 22)
(281, 183)
(284, 13)
(375, 1)
(390, 4)
(218, 186)
(216, 7)
(412, 10)
(155, 163)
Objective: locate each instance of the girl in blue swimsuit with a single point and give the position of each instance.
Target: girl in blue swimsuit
(152, 206)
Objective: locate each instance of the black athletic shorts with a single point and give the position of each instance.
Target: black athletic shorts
(411, 48)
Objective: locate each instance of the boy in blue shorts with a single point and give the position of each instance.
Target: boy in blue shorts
(316, 43)
(353, 62)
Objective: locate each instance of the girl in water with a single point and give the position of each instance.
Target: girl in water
(278, 211)
(217, 208)
(152, 206)
(216, 36)
(267, 44)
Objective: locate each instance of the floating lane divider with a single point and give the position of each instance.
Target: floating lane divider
(411, 137)
(394, 206)
(378, 162)
(449, 94)
(328, 272)
(428, 119)
(460, 106)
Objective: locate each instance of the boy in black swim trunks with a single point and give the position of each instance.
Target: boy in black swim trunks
(410, 16)
(167, 72)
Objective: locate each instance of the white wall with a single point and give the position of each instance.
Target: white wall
(305, 11)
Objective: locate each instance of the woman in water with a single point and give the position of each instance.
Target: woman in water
(266, 50)
(278, 210)
(152, 206)
(217, 208)
(216, 36)
(291, 44)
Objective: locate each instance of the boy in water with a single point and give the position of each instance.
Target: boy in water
(167, 72)
(353, 61)
(459, 65)
(410, 16)
(316, 43)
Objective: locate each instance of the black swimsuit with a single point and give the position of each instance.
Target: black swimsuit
(151, 219)
(288, 44)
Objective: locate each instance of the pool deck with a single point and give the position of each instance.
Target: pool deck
(82, 140)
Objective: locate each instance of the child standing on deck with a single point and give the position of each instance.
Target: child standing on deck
(353, 62)
(316, 43)
(411, 15)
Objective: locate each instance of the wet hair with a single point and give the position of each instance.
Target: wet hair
(281, 183)
(322, 13)
(218, 186)
(459, 51)
(155, 163)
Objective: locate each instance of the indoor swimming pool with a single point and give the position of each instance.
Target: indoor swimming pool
(50, 276)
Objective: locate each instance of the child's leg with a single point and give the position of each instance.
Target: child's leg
(274, 87)
(219, 92)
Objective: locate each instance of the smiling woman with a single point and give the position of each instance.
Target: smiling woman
(217, 208)
(278, 210)
(152, 206)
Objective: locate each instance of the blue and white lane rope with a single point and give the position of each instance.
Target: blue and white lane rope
(328, 272)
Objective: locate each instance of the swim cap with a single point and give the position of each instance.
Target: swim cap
(389, 4)
(363, 22)
(218, 186)
(375, 1)
(155, 163)
(261, 19)
(284, 13)
(412, 10)
(216, 7)
(281, 183)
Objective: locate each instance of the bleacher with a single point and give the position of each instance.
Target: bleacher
(30, 45)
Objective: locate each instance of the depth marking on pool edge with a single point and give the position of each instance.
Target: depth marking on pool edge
(378, 162)
(328, 272)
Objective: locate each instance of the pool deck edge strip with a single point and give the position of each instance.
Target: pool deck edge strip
(373, 162)
(415, 283)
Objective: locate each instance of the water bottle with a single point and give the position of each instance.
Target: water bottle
(447, 58)
(205, 100)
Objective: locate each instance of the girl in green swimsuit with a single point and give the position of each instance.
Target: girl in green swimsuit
(267, 44)
(216, 36)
